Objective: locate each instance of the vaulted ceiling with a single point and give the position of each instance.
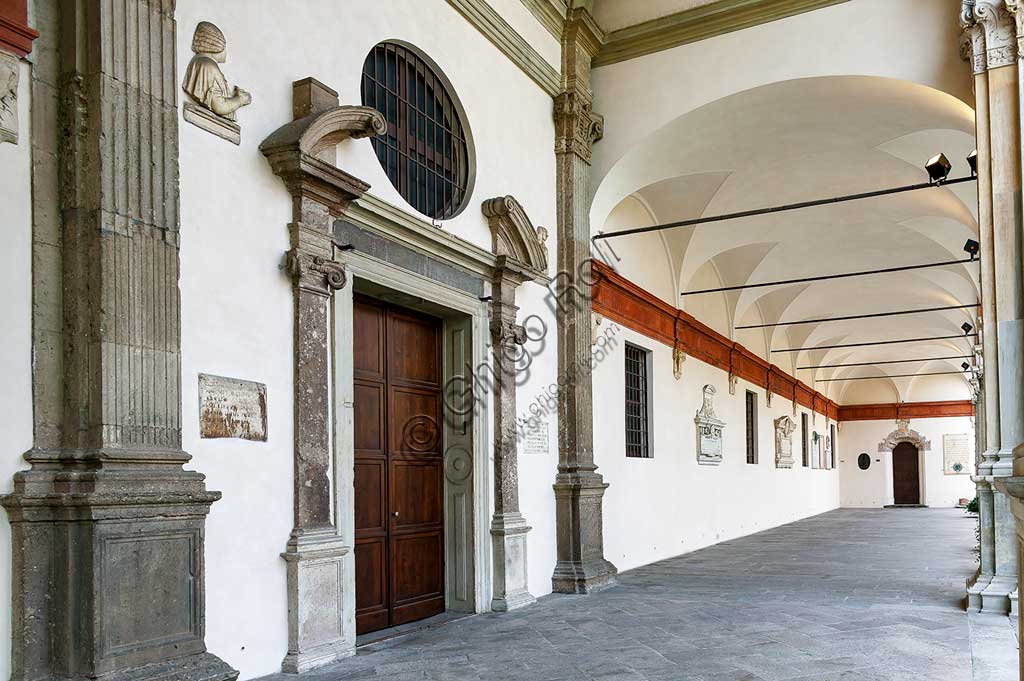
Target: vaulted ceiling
(794, 141)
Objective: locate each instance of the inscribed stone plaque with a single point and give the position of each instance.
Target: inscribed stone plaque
(709, 431)
(536, 440)
(230, 407)
(956, 454)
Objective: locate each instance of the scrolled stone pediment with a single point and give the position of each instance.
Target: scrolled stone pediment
(514, 236)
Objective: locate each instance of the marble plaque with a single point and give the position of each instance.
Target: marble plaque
(956, 454)
(536, 440)
(230, 407)
(709, 431)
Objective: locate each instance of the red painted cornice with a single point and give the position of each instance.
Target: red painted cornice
(620, 300)
(16, 35)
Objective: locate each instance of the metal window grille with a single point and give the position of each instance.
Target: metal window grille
(751, 427)
(805, 440)
(637, 423)
(835, 446)
(424, 151)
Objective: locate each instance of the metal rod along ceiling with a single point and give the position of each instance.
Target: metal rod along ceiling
(885, 342)
(859, 316)
(870, 378)
(784, 208)
(888, 361)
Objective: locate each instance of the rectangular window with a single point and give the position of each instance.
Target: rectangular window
(805, 440)
(751, 427)
(835, 446)
(638, 403)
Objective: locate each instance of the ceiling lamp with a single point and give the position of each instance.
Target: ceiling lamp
(965, 366)
(938, 168)
(966, 326)
(972, 160)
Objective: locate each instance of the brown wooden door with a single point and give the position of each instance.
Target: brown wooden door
(906, 481)
(399, 509)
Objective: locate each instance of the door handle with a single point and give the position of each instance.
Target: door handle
(394, 513)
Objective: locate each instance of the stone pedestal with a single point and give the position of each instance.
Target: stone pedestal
(511, 586)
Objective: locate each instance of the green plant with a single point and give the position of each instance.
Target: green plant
(972, 505)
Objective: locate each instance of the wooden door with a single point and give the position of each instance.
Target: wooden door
(399, 516)
(905, 475)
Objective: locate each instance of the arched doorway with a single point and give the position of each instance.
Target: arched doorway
(906, 474)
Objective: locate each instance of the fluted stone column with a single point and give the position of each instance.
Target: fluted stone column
(107, 526)
(579, 488)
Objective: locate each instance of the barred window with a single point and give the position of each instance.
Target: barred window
(751, 427)
(835, 446)
(425, 151)
(805, 440)
(637, 403)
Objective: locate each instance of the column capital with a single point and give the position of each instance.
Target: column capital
(577, 127)
(1000, 30)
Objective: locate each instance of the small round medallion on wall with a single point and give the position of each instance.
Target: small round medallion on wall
(864, 461)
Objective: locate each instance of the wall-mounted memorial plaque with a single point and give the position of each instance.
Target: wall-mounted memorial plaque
(709, 431)
(535, 443)
(229, 407)
(956, 454)
(784, 427)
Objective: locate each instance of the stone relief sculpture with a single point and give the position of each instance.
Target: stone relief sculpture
(709, 431)
(8, 98)
(212, 103)
(784, 427)
(903, 433)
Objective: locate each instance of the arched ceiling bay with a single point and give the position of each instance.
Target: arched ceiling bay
(807, 139)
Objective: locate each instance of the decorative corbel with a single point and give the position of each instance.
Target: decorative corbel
(733, 381)
(768, 398)
(315, 273)
(595, 323)
(678, 357)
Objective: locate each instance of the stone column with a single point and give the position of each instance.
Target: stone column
(321, 611)
(107, 527)
(579, 488)
(987, 402)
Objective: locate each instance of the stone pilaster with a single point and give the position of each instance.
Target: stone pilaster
(579, 488)
(321, 611)
(107, 527)
(521, 256)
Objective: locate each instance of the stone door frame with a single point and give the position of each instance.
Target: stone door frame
(473, 542)
(903, 433)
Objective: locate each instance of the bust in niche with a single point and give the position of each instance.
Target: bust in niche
(211, 102)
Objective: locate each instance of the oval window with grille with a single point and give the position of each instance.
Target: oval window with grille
(426, 151)
(864, 461)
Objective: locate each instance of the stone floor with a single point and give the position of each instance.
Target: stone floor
(851, 595)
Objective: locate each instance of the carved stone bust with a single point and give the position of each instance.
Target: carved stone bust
(212, 103)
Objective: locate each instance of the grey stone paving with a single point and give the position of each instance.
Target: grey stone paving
(851, 595)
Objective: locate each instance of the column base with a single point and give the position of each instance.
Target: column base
(201, 667)
(975, 586)
(583, 578)
(511, 584)
(996, 596)
(321, 612)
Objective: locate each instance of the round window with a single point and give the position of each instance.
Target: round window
(864, 461)
(426, 151)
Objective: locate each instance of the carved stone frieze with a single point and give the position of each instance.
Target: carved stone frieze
(784, 427)
(8, 98)
(211, 103)
(903, 433)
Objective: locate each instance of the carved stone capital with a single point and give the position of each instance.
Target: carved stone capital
(1000, 31)
(577, 127)
(315, 273)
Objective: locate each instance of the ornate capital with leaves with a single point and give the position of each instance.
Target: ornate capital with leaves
(577, 127)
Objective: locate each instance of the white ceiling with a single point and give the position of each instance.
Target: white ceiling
(615, 14)
(807, 139)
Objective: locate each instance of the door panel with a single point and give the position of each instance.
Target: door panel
(905, 474)
(399, 483)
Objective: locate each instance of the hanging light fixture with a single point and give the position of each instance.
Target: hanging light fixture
(938, 168)
(971, 248)
(967, 327)
(972, 160)
(965, 366)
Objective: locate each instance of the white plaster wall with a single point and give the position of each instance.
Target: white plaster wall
(15, 332)
(237, 304)
(668, 505)
(873, 488)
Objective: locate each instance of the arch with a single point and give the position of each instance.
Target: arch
(903, 433)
